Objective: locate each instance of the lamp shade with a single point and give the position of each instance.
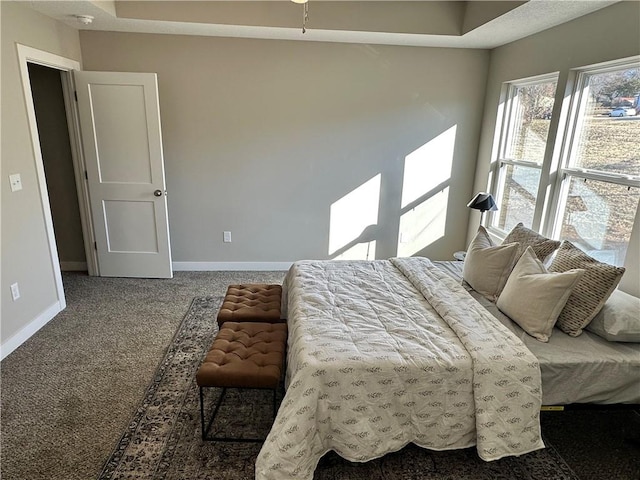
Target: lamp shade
(483, 202)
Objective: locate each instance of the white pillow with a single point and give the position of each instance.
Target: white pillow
(534, 298)
(619, 319)
(487, 267)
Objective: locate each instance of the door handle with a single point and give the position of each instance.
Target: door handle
(158, 193)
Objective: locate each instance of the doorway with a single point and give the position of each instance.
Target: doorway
(65, 67)
(121, 110)
(57, 159)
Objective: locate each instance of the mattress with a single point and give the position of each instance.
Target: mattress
(583, 369)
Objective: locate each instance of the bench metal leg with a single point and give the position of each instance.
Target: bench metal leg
(205, 429)
(215, 411)
(275, 408)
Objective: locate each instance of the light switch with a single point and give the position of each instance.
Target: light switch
(15, 291)
(16, 182)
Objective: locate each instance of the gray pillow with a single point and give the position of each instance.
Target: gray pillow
(487, 266)
(591, 292)
(619, 319)
(542, 246)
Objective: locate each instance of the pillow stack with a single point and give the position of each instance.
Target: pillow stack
(569, 294)
(487, 266)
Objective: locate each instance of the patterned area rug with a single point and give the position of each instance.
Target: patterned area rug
(163, 439)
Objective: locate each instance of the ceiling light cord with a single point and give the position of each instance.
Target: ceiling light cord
(305, 13)
(305, 17)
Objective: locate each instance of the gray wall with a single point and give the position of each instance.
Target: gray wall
(25, 252)
(262, 137)
(585, 41)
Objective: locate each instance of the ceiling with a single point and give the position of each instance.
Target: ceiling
(458, 24)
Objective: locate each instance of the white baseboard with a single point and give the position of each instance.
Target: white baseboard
(27, 331)
(73, 266)
(230, 266)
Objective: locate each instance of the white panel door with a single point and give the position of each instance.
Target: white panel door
(122, 143)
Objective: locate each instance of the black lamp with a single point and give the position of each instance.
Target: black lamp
(483, 202)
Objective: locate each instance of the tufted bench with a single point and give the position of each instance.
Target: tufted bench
(251, 303)
(243, 355)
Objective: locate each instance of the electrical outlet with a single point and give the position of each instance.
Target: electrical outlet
(15, 291)
(226, 237)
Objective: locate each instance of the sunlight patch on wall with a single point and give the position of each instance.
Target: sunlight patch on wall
(428, 166)
(350, 217)
(423, 225)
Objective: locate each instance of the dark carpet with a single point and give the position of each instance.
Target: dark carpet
(69, 392)
(598, 444)
(163, 440)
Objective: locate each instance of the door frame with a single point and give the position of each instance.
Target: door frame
(65, 65)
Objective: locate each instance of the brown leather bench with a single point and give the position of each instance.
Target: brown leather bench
(243, 355)
(254, 302)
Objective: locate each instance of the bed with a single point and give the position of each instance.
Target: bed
(389, 352)
(575, 370)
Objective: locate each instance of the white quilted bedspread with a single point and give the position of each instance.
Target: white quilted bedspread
(389, 352)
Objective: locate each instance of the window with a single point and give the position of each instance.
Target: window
(598, 217)
(582, 182)
(523, 144)
(600, 177)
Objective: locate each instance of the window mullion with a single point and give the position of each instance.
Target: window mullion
(562, 141)
(619, 179)
(523, 163)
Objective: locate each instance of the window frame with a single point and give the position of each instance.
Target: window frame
(578, 93)
(563, 138)
(506, 117)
